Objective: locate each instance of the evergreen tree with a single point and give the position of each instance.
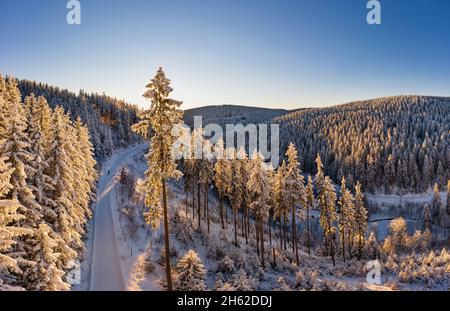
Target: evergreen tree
(346, 217)
(427, 218)
(360, 218)
(61, 170)
(279, 201)
(190, 273)
(258, 184)
(9, 219)
(295, 192)
(309, 206)
(437, 207)
(219, 177)
(327, 201)
(163, 115)
(39, 117)
(45, 274)
(206, 176)
(244, 165)
(236, 190)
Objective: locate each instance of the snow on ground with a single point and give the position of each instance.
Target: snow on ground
(128, 254)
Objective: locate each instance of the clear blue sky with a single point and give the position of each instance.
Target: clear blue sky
(271, 53)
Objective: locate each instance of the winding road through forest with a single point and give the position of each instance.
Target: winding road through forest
(106, 272)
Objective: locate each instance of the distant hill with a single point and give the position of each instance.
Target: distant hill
(230, 114)
(397, 144)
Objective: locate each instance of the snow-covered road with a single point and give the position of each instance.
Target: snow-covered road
(106, 273)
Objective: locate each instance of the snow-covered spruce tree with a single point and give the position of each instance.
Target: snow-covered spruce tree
(319, 180)
(206, 176)
(295, 192)
(45, 274)
(190, 273)
(327, 204)
(219, 176)
(279, 202)
(346, 218)
(437, 207)
(236, 191)
(228, 176)
(371, 248)
(16, 149)
(39, 118)
(398, 234)
(309, 206)
(360, 218)
(10, 229)
(426, 217)
(198, 142)
(60, 168)
(87, 164)
(84, 174)
(244, 171)
(320, 177)
(258, 185)
(163, 115)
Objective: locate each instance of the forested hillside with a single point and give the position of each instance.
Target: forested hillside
(230, 114)
(47, 180)
(107, 118)
(390, 144)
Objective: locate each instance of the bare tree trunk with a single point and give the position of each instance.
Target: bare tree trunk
(247, 224)
(350, 245)
(281, 233)
(261, 229)
(166, 237)
(193, 198)
(343, 243)
(308, 230)
(257, 234)
(207, 206)
(199, 206)
(186, 203)
(360, 246)
(285, 231)
(331, 243)
(293, 228)
(221, 212)
(294, 236)
(273, 255)
(270, 231)
(235, 227)
(243, 224)
(205, 202)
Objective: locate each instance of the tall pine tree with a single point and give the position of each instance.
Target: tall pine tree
(163, 115)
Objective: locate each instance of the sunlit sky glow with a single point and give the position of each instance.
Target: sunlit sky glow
(283, 54)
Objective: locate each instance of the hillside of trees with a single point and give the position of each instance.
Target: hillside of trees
(231, 114)
(107, 118)
(388, 144)
(47, 181)
(259, 220)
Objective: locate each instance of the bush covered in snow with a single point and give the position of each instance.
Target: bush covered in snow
(431, 270)
(244, 282)
(190, 273)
